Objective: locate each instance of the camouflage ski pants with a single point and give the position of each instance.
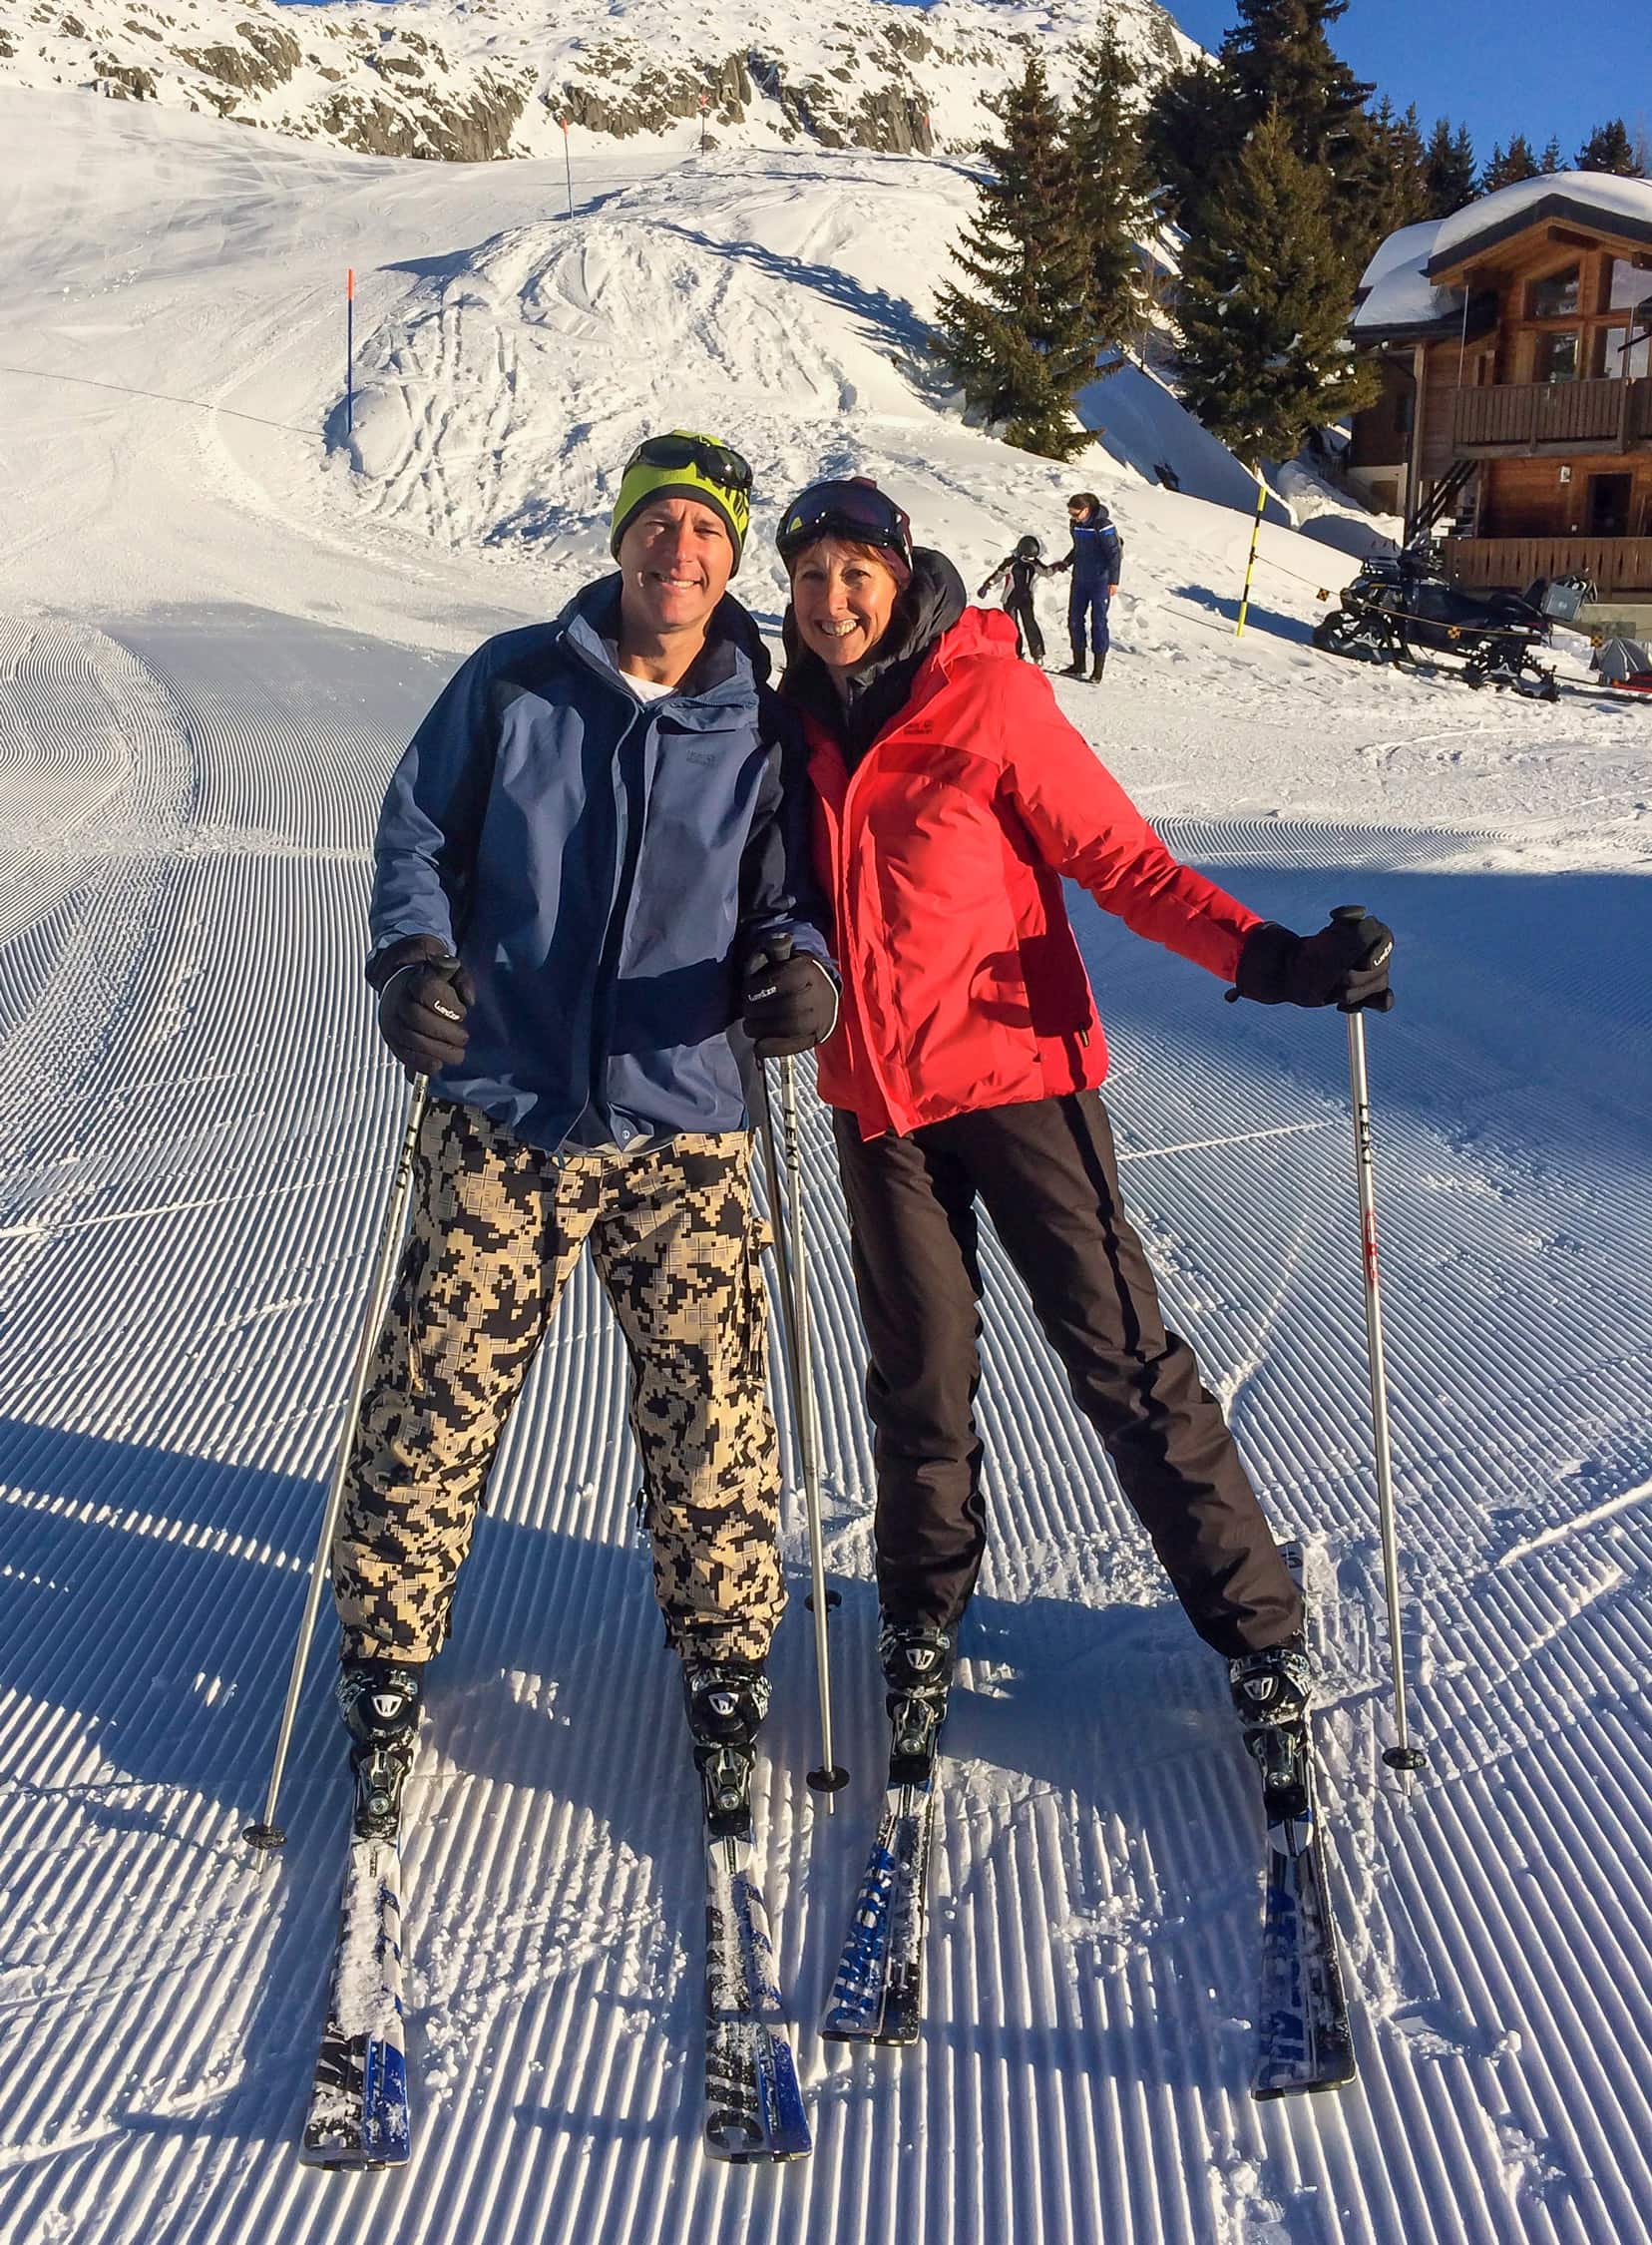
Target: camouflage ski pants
(497, 1228)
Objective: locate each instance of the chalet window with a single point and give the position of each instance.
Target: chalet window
(1403, 401)
(1627, 284)
(1620, 361)
(1554, 295)
(1556, 356)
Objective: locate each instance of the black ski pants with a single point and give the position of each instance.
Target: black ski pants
(1030, 639)
(1047, 1175)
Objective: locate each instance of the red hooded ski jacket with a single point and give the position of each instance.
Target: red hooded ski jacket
(942, 854)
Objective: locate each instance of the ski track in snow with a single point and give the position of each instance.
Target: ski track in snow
(195, 1126)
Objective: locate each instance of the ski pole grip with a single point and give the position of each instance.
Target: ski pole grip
(1349, 913)
(778, 949)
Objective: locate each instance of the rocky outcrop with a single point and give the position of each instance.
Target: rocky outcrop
(125, 82)
(473, 81)
(266, 58)
(891, 120)
(465, 129)
(654, 98)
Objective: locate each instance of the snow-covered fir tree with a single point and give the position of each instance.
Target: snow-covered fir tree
(1113, 206)
(1264, 304)
(1021, 344)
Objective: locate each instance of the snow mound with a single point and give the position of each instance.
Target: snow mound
(504, 386)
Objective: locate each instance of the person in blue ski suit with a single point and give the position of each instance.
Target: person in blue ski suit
(1096, 557)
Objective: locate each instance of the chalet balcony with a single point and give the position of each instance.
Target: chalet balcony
(1563, 416)
(1619, 568)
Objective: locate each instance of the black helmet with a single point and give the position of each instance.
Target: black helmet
(1027, 548)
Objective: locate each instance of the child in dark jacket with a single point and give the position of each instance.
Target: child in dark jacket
(1017, 573)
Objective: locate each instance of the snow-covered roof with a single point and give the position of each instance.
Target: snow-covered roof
(1598, 198)
(1395, 290)
(1404, 247)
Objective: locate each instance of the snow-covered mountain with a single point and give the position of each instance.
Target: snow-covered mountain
(475, 79)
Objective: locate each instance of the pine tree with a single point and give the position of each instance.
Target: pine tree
(1191, 128)
(1022, 347)
(1400, 193)
(1609, 149)
(1278, 55)
(1114, 212)
(1552, 155)
(1506, 168)
(1265, 301)
(1450, 169)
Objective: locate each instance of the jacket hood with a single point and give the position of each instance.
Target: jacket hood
(726, 676)
(926, 607)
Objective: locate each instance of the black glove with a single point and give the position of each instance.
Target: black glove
(1345, 964)
(423, 996)
(787, 1005)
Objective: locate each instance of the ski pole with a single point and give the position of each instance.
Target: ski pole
(1404, 1755)
(829, 1778)
(267, 1834)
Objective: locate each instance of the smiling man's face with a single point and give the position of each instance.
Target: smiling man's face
(675, 561)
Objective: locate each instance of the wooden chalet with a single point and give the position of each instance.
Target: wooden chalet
(1515, 417)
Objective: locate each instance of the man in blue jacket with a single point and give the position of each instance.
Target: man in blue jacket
(580, 862)
(1095, 559)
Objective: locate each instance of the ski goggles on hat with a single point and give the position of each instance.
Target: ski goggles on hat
(717, 463)
(855, 509)
(684, 464)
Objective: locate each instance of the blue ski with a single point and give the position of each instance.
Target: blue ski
(878, 1990)
(1305, 2042)
(753, 2105)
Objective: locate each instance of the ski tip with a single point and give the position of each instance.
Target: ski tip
(734, 2143)
(1321, 2086)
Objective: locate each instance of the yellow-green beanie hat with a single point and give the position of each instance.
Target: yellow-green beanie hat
(686, 464)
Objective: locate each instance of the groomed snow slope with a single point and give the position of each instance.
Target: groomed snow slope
(213, 636)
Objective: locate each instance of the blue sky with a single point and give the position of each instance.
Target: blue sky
(1500, 65)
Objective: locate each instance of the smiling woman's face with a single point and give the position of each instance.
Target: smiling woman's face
(843, 595)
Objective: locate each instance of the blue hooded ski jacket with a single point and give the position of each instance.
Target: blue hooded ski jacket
(606, 867)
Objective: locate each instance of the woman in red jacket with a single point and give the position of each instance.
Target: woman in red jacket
(952, 798)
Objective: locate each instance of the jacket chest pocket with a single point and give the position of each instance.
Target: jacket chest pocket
(939, 849)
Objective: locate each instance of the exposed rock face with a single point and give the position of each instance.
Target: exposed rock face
(125, 82)
(472, 81)
(265, 57)
(474, 129)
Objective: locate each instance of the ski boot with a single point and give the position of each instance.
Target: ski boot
(1074, 668)
(380, 1701)
(1098, 670)
(1272, 1693)
(726, 1701)
(917, 1659)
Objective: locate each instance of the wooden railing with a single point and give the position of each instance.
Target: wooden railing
(1529, 413)
(1617, 566)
